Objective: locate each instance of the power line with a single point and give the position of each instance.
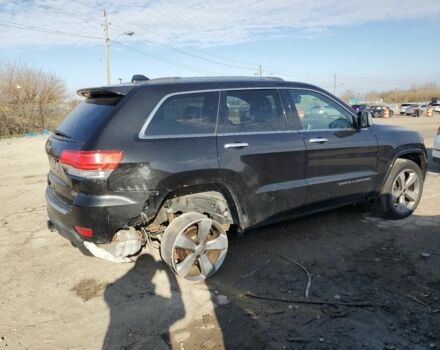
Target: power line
(183, 51)
(90, 19)
(167, 60)
(45, 30)
(277, 71)
(63, 12)
(273, 69)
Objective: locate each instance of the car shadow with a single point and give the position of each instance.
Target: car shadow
(141, 312)
(352, 255)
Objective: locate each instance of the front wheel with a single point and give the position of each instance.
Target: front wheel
(402, 190)
(194, 246)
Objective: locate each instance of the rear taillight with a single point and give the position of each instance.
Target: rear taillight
(94, 164)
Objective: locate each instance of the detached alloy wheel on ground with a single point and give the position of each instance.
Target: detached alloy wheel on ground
(194, 246)
(402, 190)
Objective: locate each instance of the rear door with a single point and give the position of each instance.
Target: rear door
(178, 141)
(341, 160)
(261, 161)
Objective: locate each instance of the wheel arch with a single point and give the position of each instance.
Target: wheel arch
(417, 155)
(214, 199)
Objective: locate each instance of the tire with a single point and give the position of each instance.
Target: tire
(402, 190)
(194, 246)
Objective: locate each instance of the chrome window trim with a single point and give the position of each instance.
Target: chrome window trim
(182, 136)
(333, 130)
(258, 132)
(142, 135)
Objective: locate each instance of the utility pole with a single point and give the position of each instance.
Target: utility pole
(334, 84)
(107, 47)
(260, 71)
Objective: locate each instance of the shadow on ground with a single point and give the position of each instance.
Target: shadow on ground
(353, 258)
(140, 309)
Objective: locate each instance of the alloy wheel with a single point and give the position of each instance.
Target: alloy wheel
(406, 190)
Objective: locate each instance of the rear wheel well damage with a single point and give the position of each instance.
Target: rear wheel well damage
(128, 240)
(211, 203)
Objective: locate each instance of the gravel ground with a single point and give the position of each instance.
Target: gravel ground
(53, 297)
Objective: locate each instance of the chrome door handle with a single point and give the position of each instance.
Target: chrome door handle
(318, 140)
(235, 145)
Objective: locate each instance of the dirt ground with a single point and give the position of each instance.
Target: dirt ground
(53, 297)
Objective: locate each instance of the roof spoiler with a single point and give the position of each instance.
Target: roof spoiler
(105, 92)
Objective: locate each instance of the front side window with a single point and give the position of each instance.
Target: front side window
(251, 111)
(185, 114)
(318, 112)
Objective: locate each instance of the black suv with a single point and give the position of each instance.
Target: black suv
(175, 162)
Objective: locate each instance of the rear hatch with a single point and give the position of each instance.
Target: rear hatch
(78, 127)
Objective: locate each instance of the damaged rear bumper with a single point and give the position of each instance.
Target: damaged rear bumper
(127, 243)
(106, 218)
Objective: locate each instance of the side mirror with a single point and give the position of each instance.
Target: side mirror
(364, 119)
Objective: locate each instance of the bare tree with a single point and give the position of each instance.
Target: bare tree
(28, 97)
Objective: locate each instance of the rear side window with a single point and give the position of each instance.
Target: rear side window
(185, 114)
(87, 118)
(251, 111)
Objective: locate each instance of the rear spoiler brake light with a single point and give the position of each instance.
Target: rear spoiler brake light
(105, 92)
(98, 94)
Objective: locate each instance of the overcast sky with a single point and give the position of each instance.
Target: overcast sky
(368, 44)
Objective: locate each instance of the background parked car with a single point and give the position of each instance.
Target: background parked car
(423, 109)
(378, 111)
(360, 107)
(411, 110)
(403, 107)
(436, 147)
(436, 107)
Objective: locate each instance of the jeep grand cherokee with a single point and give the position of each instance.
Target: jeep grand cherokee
(174, 162)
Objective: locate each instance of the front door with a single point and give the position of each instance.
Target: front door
(341, 160)
(261, 161)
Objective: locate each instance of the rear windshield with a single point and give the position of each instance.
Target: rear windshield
(84, 120)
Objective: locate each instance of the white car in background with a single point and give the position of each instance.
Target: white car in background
(411, 109)
(436, 107)
(436, 147)
(403, 107)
